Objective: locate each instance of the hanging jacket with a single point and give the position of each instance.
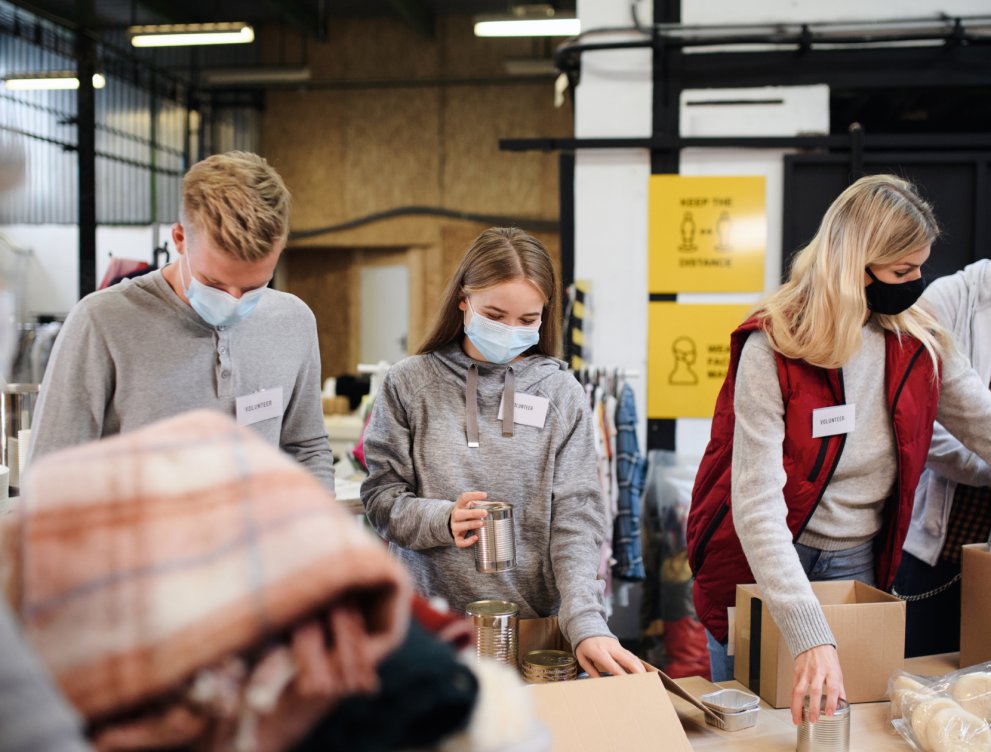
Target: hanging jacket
(962, 303)
(631, 469)
(714, 550)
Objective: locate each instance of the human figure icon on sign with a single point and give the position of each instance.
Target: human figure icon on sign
(687, 233)
(684, 358)
(723, 232)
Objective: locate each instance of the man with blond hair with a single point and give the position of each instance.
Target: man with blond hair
(204, 332)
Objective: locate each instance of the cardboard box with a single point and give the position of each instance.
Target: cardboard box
(869, 627)
(632, 713)
(975, 605)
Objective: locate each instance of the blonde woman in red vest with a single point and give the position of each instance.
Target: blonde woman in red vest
(821, 430)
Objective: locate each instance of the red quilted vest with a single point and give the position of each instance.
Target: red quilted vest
(714, 551)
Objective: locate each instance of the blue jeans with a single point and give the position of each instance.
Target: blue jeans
(855, 563)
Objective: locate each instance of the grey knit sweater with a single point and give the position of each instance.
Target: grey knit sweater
(419, 463)
(851, 509)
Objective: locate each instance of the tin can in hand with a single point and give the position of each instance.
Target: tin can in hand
(831, 733)
(496, 547)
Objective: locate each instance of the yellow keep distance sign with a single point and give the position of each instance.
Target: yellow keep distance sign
(706, 234)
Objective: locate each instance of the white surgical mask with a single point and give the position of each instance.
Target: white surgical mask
(216, 307)
(499, 343)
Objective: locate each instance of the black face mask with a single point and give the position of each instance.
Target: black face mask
(888, 298)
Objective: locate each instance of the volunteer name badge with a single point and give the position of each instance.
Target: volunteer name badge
(528, 410)
(830, 421)
(254, 408)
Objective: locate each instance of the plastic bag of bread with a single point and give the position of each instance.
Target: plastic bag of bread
(950, 713)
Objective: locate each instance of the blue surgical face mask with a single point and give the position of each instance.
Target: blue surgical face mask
(216, 307)
(499, 343)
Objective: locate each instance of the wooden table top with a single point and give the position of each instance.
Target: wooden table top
(870, 726)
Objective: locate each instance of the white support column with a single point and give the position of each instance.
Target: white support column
(615, 99)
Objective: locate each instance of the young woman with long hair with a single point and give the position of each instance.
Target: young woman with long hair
(822, 427)
(435, 445)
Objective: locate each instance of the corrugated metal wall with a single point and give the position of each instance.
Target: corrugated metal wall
(141, 131)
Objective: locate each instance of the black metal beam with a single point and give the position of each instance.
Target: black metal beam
(896, 141)
(566, 195)
(665, 127)
(301, 16)
(417, 15)
(48, 12)
(915, 67)
(86, 145)
(179, 11)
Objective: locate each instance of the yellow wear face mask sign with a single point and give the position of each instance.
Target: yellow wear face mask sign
(687, 356)
(706, 234)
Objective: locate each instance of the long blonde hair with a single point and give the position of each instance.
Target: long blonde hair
(500, 254)
(818, 314)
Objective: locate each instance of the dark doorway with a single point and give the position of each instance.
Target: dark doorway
(957, 184)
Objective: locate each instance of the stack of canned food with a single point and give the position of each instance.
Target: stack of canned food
(542, 666)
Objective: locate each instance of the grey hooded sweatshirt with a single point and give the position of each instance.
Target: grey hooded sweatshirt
(419, 462)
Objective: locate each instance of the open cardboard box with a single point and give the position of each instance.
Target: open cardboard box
(869, 627)
(975, 605)
(631, 712)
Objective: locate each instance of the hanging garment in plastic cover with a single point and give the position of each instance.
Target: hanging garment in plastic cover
(671, 636)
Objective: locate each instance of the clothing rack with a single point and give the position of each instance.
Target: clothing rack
(610, 379)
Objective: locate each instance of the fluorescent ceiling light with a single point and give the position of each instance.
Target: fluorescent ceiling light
(256, 75)
(185, 35)
(508, 26)
(49, 80)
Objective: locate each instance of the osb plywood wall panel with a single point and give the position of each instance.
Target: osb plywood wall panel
(485, 57)
(304, 137)
(481, 178)
(319, 276)
(392, 142)
(378, 48)
(391, 120)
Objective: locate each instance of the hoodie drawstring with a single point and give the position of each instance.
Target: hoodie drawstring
(508, 402)
(471, 405)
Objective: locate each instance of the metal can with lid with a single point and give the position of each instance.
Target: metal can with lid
(831, 733)
(542, 666)
(496, 547)
(496, 625)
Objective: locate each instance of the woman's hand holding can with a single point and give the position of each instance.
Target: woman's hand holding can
(465, 520)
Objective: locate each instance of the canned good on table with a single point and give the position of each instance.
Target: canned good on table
(496, 625)
(831, 733)
(495, 550)
(543, 666)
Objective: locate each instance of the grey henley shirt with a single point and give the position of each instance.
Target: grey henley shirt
(136, 353)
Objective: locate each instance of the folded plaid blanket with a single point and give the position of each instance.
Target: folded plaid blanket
(154, 568)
